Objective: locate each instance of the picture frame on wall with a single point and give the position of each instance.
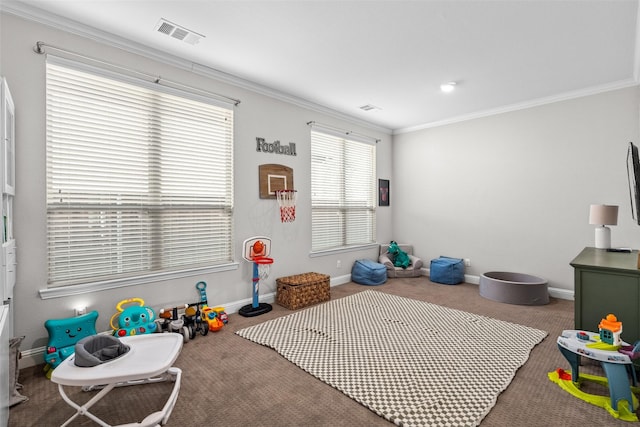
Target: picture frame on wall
(383, 192)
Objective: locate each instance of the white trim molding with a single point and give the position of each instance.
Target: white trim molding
(622, 84)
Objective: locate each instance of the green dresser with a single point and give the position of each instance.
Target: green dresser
(607, 282)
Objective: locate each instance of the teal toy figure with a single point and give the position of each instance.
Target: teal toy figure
(63, 336)
(400, 257)
(133, 320)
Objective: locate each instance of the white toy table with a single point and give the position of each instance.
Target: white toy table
(150, 359)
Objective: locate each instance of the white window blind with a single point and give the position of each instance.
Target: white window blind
(343, 192)
(139, 180)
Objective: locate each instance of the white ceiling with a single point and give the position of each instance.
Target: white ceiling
(393, 54)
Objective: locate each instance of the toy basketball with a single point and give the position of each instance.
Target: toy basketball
(258, 248)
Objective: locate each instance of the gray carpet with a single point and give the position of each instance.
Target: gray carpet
(411, 362)
(228, 380)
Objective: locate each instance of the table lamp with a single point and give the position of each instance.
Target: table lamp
(603, 215)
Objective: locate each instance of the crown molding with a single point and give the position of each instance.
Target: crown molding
(594, 90)
(30, 13)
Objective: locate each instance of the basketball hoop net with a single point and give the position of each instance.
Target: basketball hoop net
(264, 266)
(287, 203)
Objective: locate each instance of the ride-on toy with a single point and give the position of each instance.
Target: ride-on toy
(172, 321)
(193, 319)
(213, 320)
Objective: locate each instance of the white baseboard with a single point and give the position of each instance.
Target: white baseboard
(31, 357)
(561, 293)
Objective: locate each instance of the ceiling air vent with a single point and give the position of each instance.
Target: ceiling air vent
(178, 32)
(370, 107)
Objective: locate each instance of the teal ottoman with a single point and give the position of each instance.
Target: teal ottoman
(367, 272)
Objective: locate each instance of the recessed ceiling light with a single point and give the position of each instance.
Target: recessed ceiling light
(448, 87)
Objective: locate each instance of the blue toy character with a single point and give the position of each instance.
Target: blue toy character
(133, 320)
(63, 336)
(400, 257)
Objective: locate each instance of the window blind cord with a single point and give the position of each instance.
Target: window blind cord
(39, 49)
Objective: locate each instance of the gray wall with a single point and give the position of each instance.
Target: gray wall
(256, 116)
(511, 192)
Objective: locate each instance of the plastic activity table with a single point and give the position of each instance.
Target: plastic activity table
(150, 359)
(617, 367)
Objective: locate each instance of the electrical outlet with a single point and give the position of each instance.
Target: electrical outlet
(338, 264)
(467, 262)
(79, 311)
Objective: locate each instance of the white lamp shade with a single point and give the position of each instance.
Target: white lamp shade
(603, 215)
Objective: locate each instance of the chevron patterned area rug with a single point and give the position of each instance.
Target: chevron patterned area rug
(411, 362)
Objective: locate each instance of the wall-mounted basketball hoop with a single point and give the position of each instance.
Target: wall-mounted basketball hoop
(287, 203)
(257, 250)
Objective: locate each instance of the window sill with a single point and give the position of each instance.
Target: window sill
(66, 291)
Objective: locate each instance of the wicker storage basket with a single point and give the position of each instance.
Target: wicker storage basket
(302, 290)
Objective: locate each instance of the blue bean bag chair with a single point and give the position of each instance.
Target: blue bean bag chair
(446, 270)
(367, 272)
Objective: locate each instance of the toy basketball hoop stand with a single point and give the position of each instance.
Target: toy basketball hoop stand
(287, 203)
(256, 251)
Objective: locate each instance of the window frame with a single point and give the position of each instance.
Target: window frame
(345, 205)
(62, 288)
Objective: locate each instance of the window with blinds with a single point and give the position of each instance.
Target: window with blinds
(343, 192)
(139, 178)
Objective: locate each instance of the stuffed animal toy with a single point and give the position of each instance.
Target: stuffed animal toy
(400, 257)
